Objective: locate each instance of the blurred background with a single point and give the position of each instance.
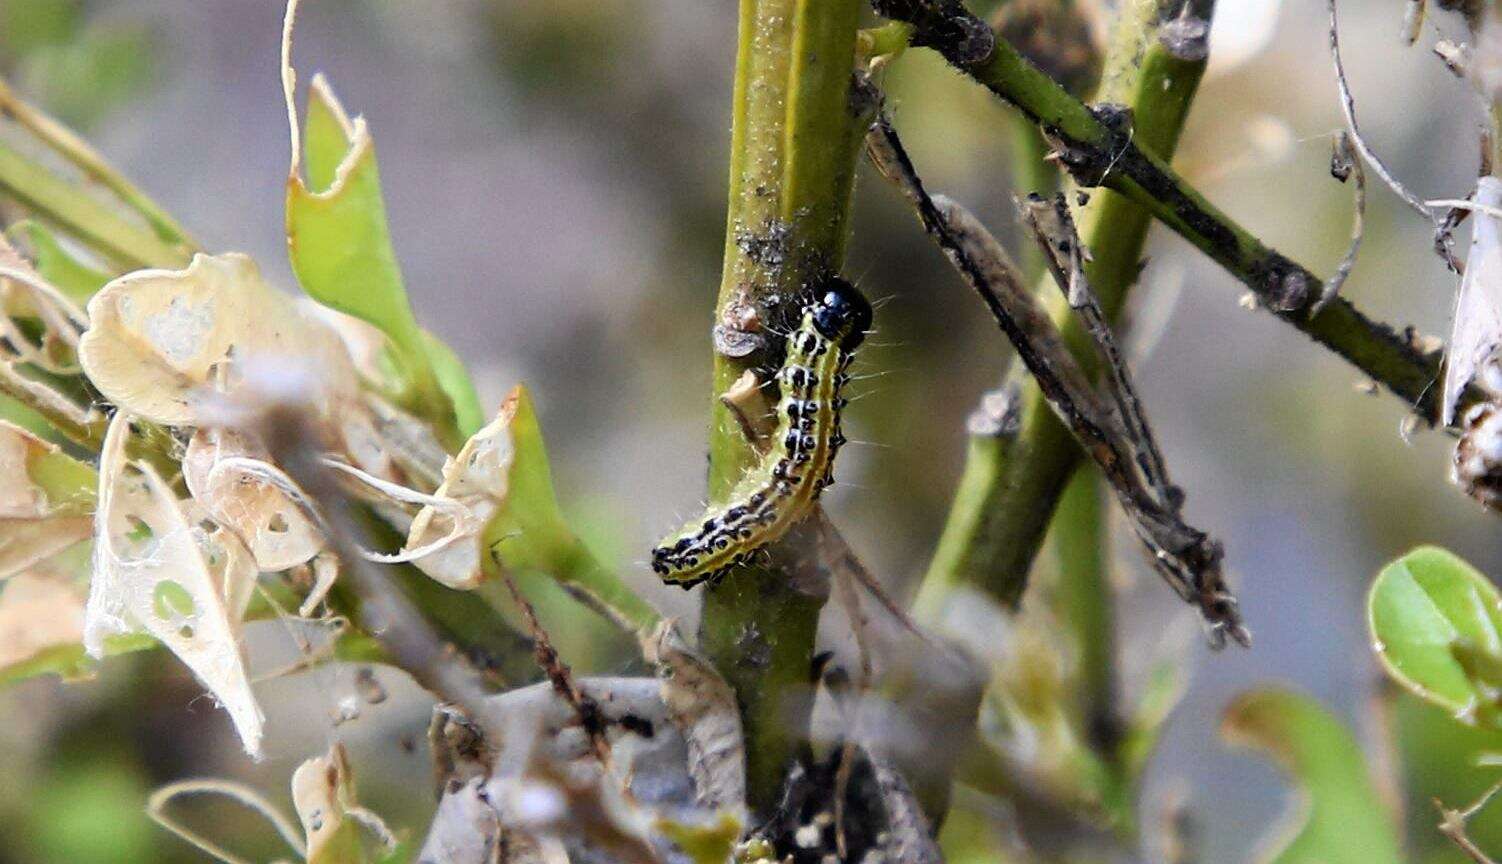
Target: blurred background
(555, 177)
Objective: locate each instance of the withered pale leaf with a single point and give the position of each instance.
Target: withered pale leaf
(24, 293)
(46, 499)
(1477, 330)
(703, 707)
(25, 543)
(324, 796)
(38, 611)
(476, 479)
(152, 573)
(158, 338)
(273, 526)
(230, 563)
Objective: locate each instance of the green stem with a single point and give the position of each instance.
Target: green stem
(61, 203)
(995, 527)
(1084, 602)
(1100, 150)
(795, 136)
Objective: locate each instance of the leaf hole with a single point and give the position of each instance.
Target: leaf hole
(172, 602)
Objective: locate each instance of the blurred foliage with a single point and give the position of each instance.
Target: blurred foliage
(1340, 818)
(79, 67)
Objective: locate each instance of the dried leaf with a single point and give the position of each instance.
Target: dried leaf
(158, 338)
(324, 795)
(156, 809)
(45, 501)
(477, 480)
(38, 612)
(703, 708)
(154, 573)
(274, 527)
(25, 294)
(1477, 330)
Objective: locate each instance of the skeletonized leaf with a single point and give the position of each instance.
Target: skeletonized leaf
(45, 500)
(158, 338)
(275, 529)
(1477, 330)
(373, 356)
(1339, 818)
(1431, 617)
(154, 573)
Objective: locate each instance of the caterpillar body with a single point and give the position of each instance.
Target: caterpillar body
(781, 489)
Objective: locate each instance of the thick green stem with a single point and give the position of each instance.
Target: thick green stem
(1084, 602)
(996, 525)
(796, 130)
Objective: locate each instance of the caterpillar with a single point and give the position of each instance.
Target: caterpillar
(781, 489)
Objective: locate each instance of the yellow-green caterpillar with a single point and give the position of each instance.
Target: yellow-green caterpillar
(779, 491)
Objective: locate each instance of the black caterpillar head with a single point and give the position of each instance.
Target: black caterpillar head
(840, 313)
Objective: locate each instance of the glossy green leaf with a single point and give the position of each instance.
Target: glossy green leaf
(340, 246)
(76, 279)
(1342, 819)
(1436, 625)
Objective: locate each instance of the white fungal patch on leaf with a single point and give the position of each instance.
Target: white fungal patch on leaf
(158, 339)
(154, 572)
(273, 526)
(1477, 331)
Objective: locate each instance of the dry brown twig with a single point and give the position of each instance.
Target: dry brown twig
(1345, 163)
(1441, 224)
(1186, 557)
(1453, 825)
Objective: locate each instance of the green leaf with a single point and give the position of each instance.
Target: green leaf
(1436, 626)
(711, 842)
(454, 378)
(71, 662)
(340, 247)
(528, 531)
(1343, 819)
(78, 280)
(1439, 763)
